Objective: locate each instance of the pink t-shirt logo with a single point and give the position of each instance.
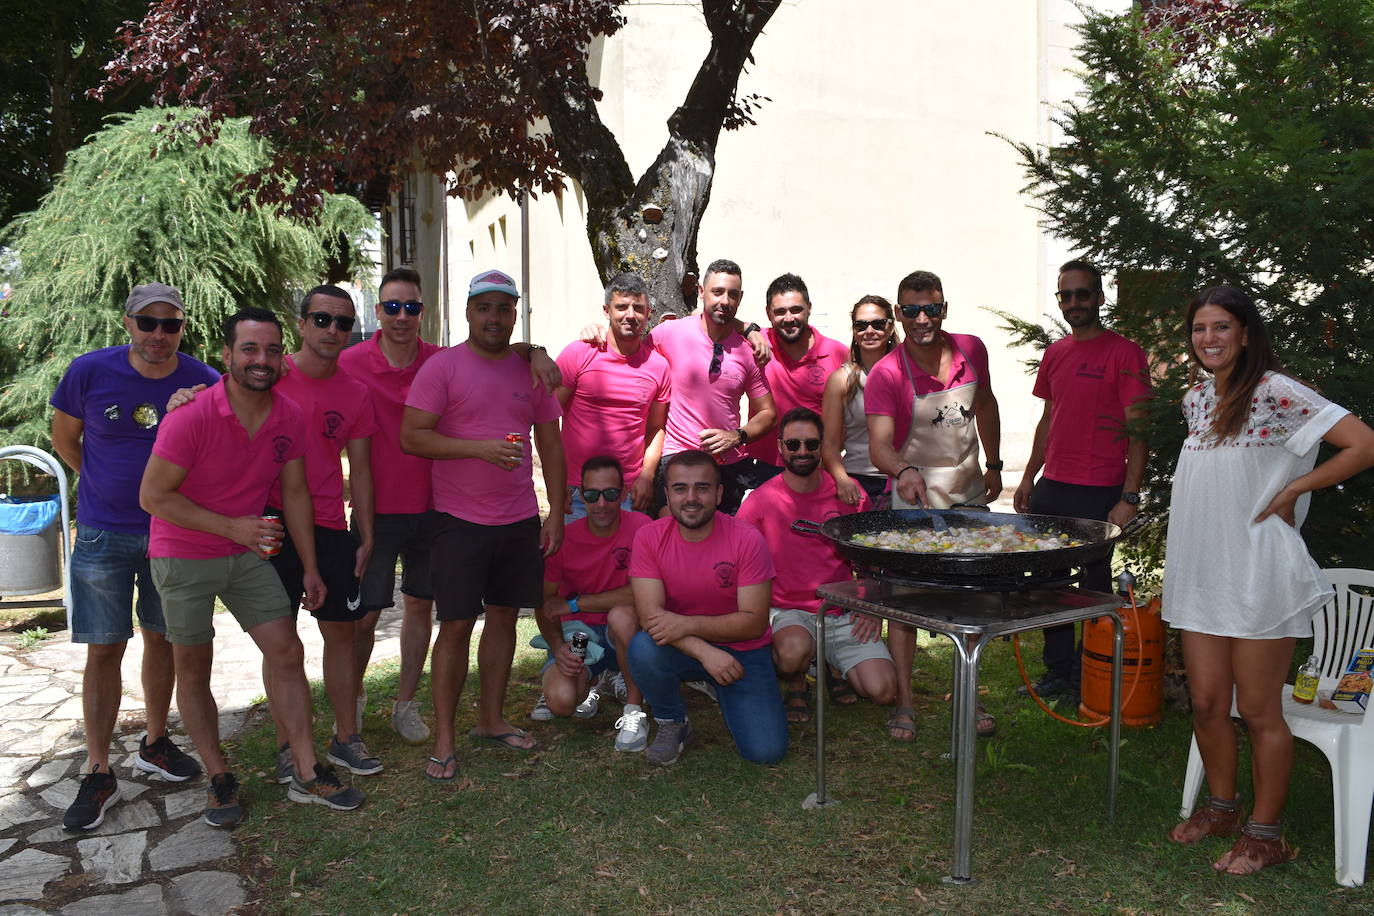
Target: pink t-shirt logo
(815, 374)
(725, 574)
(280, 446)
(621, 555)
(332, 421)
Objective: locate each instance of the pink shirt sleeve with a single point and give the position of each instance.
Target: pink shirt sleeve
(429, 390)
(755, 563)
(643, 562)
(1045, 373)
(1134, 382)
(755, 382)
(176, 440)
(977, 353)
(884, 392)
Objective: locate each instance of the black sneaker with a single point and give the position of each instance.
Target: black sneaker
(1049, 687)
(222, 808)
(99, 790)
(165, 759)
(325, 789)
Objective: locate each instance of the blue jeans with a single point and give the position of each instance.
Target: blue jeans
(105, 566)
(751, 706)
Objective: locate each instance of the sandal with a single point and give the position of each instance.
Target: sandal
(894, 721)
(797, 704)
(1251, 853)
(443, 766)
(1206, 821)
(986, 725)
(842, 692)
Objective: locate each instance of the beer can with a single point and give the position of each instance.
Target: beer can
(578, 644)
(515, 437)
(272, 546)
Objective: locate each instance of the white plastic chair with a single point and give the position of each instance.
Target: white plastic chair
(1343, 625)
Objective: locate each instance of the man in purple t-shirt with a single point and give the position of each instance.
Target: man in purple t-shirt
(106, 411)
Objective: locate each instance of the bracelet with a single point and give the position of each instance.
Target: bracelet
(909, 467)
(995, 465)
(743, 436)
(572, 605)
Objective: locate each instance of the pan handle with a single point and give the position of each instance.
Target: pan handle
(803, 526)
(1138, 521)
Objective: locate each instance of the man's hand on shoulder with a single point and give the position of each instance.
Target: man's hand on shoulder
(183, 396)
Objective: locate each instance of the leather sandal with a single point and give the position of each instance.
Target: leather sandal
(1211, 821)
(1251, 853)
(894, 721)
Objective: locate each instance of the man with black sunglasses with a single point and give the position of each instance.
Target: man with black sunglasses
(1094, 383)
(106, 412)
(854, 646)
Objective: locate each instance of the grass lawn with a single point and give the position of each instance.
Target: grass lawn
(574, 827)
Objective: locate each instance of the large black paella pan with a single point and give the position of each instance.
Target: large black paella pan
(1088, 541)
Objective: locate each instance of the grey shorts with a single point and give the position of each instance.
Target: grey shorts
(842, 650)
(406, 536)
(245, 582)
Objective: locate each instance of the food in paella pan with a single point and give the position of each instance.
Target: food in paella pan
(987, 539)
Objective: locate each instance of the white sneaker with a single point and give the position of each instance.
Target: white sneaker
(406, 721)
(634, 729)
(541, 711)
(588, 707)
(616, 682)
(706, 687)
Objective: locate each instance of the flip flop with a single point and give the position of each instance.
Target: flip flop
(503, 739)
(894, 720)
(797, 705)
(986, 723)
(842, 692)
(443, 765)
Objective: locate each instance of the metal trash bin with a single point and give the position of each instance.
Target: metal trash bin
(29, 550)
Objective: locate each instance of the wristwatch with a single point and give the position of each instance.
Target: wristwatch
(751, 328)
(540, 347)
(995, 465)
(1131, 499)
(743, 436)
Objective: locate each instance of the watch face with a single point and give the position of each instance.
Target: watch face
(1131, 498)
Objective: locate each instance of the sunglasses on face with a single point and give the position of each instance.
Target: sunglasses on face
(717, 355)
(795, 445)
(610, 494)
(933, 310)
(1081, 293)
(877, 324)
(413, 307)
(147, 324)
(322, 319)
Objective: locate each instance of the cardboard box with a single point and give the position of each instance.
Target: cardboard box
(1353, 688)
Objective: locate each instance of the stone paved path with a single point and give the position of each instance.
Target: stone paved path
(153, 854)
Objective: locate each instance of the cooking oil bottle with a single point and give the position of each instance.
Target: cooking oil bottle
(1305, 684)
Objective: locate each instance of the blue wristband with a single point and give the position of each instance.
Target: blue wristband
(572, 605)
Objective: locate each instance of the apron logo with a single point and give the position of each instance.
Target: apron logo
(952, 416)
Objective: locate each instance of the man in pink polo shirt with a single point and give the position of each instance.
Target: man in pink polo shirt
(803, 359)
(404, 522)
(929, 404)
(472, 409)
(205, 484)
(701, 582)
(853, 642)
(713, 367)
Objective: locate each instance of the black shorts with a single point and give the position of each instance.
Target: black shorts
(335, 553)
(404, 536)
(474, 565)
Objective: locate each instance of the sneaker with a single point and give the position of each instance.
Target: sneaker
(634, 729)
(588, 707)
(222, 808)
(354, 756)
(99, 790)
(325, 789)
(165, 759)
(1049, 686)
(616, 683)
(406, 722)
(672, 737)
(706, 687)
(541, 711)
(286, 765)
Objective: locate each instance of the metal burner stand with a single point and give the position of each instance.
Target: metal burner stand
(971, 619)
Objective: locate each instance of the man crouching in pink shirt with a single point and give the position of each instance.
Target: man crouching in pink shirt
(472, 408)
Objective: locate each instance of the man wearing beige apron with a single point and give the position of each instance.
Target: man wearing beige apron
(929, 404)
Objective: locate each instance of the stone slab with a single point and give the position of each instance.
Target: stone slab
(141, 901)
(18, 909)
(49, 773)
(23, 875)
(116, 859)
(122, 818)
(180, 804)
(16, 809)
(46, 697)
(206, 893)
(13, 768)
(193, 844)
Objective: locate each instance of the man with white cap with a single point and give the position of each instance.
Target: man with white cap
(106, 412)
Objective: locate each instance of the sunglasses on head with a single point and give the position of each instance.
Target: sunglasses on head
(933, 310)
(322, 319)
(610, 494)
(413, 307)
(147, 324)
(1081, 293)
(795, 445)
(717, 355)
(877, 324)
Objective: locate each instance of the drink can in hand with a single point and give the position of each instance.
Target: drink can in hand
(272, 546)
(578, 645)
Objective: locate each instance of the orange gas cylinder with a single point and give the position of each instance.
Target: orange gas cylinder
(1142, 666)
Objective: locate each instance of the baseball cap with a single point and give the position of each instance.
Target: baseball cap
(148, 293)
(490, 281)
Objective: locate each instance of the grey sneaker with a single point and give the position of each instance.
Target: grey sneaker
(588, 707)
(667, 746)
(616, 683)
(406, 722)
(354, 756)
(325, 789)
(222, 808)
(706, 687)
(286, 765)
(634, 730)
(541, 711)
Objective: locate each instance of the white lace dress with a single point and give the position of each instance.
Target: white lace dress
(1224, 574)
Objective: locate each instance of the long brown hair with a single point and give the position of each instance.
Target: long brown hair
(855, 364)
(1256, 358)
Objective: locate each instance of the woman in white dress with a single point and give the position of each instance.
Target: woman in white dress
(845, 449)
(1238, 580)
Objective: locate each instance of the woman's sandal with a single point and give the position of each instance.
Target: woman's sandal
(1251, 853)
(986, 723)
(797, 705)
(1206, 821)
(842, 692)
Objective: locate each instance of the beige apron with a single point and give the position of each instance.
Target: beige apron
(943, 443)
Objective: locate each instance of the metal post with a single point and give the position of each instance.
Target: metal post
(965, 703)
(818, 798)
(1114, 746)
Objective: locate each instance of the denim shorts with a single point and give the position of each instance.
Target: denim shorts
(607, 662)
(406, 536)
(105, 567)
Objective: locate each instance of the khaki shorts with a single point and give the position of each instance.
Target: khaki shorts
(842, 650)
(245, 582)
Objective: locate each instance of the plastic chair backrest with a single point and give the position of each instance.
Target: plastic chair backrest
(1344, 624)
